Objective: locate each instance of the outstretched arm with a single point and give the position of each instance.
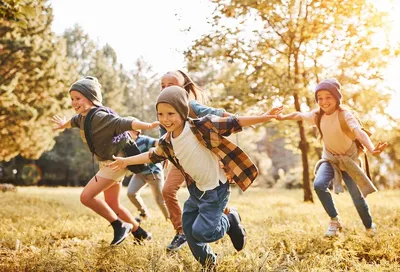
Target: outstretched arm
(60, 122)
(246, 121)
(366, 141)
(136, 124)
(291, 116)
(121, 162)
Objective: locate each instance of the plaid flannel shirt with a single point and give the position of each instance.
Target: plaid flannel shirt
(210, 131)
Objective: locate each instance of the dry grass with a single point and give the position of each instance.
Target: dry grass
(47, 229)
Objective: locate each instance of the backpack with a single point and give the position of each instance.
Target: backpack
(345, 128)
(130, 148)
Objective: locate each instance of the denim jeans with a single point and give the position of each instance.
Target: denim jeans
(203, 220)
(321, 186)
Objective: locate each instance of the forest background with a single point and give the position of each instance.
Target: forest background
(257, 54)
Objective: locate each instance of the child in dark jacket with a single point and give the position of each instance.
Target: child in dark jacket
(106, 128)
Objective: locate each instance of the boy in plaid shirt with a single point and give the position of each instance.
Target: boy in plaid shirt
(196, 147)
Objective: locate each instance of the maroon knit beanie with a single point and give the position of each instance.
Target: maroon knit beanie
(331, 85)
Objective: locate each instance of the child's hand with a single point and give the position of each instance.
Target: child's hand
(60, 123)
(379, 147)
(118, 164)
(279, 117)
(275, 110)
(154, 124)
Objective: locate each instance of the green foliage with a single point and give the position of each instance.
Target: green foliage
(277, 51)
(34, 74)
(20, 11)
(48, 229)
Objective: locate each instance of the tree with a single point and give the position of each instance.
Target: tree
(285, 47)
(19, 11)
(34, 75)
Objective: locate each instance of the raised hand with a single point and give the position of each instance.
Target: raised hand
(275, 110)
(379, 147)
(273, 113)
(60, 123)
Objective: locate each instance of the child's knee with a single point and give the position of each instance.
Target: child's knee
(169, 192)
(132, 195)
(85, 198)
(320, 185)
(202, 234)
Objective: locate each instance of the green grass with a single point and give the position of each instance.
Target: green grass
(48, 229)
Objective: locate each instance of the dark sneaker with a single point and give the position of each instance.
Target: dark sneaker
(236, 231)
(178, 241)
(121, 231)
(141, 235)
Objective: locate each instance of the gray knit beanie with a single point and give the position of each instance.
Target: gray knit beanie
(331, 85)
(90, 88)
(177, 97)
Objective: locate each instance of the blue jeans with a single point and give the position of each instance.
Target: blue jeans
(203, 220)
(321, 186)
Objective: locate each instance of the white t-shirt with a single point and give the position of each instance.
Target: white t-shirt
(335, 140)
(197, 160)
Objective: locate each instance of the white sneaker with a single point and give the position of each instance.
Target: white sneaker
(334, 228)
(372, 230)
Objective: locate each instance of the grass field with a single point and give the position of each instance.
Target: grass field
(47, 229)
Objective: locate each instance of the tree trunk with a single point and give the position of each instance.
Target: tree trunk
(303, 144)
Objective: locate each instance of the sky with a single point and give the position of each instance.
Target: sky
(160, 30)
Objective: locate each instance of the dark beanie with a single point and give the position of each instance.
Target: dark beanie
(331, 85)
(177, 97)
(90, 88)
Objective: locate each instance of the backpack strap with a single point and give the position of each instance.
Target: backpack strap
(88, 133)
(345, 127)
(88, 129)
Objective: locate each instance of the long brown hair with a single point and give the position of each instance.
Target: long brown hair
(188, 84)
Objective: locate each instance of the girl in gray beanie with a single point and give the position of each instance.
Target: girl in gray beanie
(107, 131)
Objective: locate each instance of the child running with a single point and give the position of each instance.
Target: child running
(340, 159)
(175, 178)
(105, 127)
(153, 175)
(195, 147)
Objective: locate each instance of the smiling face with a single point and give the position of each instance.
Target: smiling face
(80, 103)
(169, 80)
(170, 119)
(327, 102)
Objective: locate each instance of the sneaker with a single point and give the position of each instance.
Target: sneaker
(372, 230)
(334, 228)
(178, 241)
(121, 231)
(236, 231)
(141, 235)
